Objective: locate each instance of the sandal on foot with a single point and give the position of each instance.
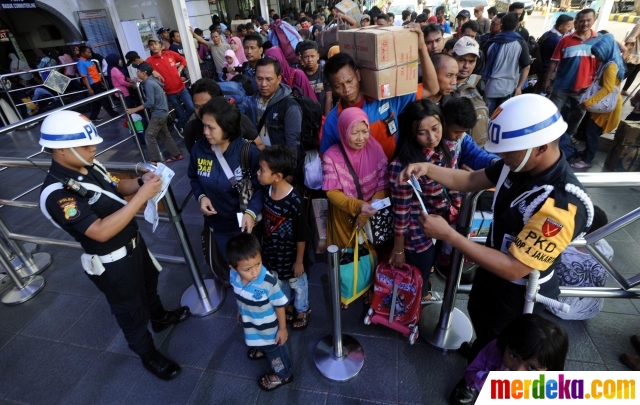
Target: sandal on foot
(302, 322)
(344, 306)
(267, 384)
(289, 313)
(581, 165)
(175, 158)
(433, 297)
(255, 354)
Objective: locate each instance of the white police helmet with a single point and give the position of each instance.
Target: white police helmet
(68, 129)
(523, 123)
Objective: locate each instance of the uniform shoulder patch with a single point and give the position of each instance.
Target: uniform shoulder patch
(69, 206)
(551, 228)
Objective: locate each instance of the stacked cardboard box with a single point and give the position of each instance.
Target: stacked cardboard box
(234, 25)
(625, 155)
(387, 58)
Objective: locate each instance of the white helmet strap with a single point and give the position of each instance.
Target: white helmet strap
(80, 158)
(524, 160)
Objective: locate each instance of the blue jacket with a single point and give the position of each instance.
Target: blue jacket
(470, 154)
(283, 120)
(208, 178)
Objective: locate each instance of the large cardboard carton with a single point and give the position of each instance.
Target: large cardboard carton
(606, 142)
(623, 158)
(234, 25)
(350, 8)
(375, 49)
(405, 44)
(378, 84)
(628, 133)
(347, 42)
(406, 79)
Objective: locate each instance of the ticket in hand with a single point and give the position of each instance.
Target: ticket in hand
(381, 204)
(413, 182)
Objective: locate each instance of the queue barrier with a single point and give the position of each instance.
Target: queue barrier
(59, 97)
(446, 327)
(203, 297)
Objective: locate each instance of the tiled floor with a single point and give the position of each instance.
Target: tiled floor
(63, 346)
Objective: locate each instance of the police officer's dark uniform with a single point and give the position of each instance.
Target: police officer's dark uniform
(130, 277)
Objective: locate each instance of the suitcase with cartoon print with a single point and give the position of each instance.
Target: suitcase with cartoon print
(396, 299)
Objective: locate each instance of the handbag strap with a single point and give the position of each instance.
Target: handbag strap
(352, 172)
(244, 159)
(225, 166)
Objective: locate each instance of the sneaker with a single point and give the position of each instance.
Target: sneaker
(97, 119)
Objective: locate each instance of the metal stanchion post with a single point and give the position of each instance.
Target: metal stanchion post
(443, 325)
(33, 265)
(22, 290)
(135, 137)
(204, 296)
(338, 357)
(16, 263)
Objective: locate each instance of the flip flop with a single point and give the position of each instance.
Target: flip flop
(581, 165)
(255, 354)
(304, 320)
(175, 158)
(267, 384)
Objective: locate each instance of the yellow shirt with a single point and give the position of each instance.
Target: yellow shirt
(607, 121)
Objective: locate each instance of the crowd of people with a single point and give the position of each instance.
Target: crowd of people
(469, 126)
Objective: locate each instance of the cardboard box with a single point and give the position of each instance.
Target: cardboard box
(320, 208)
(375, 49)
(350, 8)
(628, 133)
(406, 79)
(405, 43)
(623, 158)
(347, 42)
(234, 25)
(378, 84)
(606, 142)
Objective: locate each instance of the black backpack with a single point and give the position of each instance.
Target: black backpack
(311, 119)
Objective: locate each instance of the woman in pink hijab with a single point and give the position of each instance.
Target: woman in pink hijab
(358, 149)
(238, 48)
(230, 61)
(294, 78)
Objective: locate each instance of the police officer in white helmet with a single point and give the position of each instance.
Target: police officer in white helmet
(539, 208)
(82, 198)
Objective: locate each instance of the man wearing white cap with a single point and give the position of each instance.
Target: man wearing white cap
(539, 208)
(467, 51)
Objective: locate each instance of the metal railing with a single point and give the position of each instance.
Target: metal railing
(446, 327)
(59, 97)
(203, 297)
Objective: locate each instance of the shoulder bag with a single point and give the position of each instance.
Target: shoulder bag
(608, 102)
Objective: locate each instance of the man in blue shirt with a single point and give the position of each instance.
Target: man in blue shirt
(343, 76)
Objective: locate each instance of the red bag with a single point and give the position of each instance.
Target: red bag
(397, 299)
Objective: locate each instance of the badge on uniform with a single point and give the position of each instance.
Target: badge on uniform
(69, 206)
(391, 124)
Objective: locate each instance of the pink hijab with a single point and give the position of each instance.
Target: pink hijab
(369, 163)
(290, 76)
(232, 55)
(240, 52)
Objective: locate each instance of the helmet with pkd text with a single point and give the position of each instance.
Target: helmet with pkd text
(68, 129)
(524, 122)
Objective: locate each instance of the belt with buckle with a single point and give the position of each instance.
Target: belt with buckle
(122, 252)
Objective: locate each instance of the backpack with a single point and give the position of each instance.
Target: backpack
(312, 118)
(480, 132)
(234, 91)
(534, 53)
(285, 37)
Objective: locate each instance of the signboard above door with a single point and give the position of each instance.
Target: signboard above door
(17, 4)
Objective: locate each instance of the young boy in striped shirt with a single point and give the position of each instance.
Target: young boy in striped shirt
(261, 309)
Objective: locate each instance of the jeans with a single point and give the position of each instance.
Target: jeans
(42, 93)
(494, 102)
(279, 359)
(104, 102)
(568, 103)
(632, 72)
(183, 105)
(423, 261)
(567, 147)
(593, 137)
(296, 289)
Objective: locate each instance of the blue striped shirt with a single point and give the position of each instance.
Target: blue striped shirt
(256, 303)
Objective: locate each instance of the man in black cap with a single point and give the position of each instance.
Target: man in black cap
(163, 34)
(133, 60)
(462, 17)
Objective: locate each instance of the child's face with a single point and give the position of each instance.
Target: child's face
(249, 269)
(310, 58)
(229, 59)
(454, 132)
(265, 176)
(513, 362)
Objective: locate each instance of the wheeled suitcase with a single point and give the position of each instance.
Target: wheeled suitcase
(396, 299)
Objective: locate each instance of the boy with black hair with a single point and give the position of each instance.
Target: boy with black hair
(313, 67)
(459, 118)
(285, 231)
(257, 292)
(156, 102)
